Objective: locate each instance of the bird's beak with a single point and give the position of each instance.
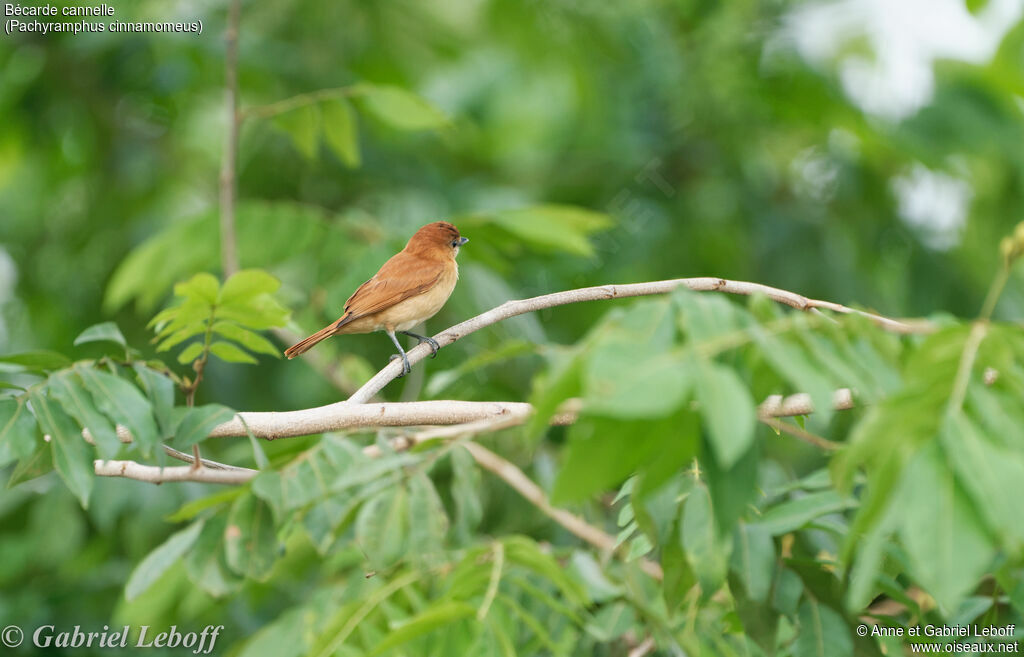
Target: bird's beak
(463, 240)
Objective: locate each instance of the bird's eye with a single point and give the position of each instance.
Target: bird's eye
(455, 244)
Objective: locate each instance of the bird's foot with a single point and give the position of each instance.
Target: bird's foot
(433, 346)
(422, 338)
(406, 367)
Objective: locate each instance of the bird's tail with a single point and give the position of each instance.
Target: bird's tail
(305, 345)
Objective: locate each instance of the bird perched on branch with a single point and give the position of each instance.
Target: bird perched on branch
(410, 288)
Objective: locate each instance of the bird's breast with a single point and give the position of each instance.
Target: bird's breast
(406, 314)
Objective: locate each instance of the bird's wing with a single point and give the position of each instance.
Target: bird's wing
(401, 277)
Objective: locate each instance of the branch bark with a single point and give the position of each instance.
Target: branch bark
(345, 415)
(157, 475)
(521, 306)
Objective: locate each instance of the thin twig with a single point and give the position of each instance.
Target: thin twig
(228, 181)
(801, 434)
(513, 308)
(498, 550)
(294, 102)
(406, 442)
(643, 648)
(207, 463)
(533, 493)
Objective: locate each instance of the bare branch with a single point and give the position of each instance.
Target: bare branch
(345, 415)
(521, 306)
(451, 418)
(157, 475)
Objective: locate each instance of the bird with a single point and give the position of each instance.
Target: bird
(408, 289)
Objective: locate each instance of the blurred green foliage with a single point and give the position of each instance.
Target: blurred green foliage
(575, 144)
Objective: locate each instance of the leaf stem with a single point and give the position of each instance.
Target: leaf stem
(295, 102)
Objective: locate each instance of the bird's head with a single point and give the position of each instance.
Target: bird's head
(439, 239)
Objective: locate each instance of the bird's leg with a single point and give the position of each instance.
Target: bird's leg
(422, 338)
(406, 367)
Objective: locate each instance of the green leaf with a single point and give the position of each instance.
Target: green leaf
(250, 544)
(123, 403)
(228, 352)
(302, 125)
(976, 6)
(728, 410)
(796, 513)
(285, 636)
(623, 379)
(798, 367)
(946, 542)
(546, 228)
(466, 493)
(105, 332)
(339, 124)
(823, 632)
(193, 508)
(268, 233)
(585, 569)
(17, 431)
(705, 550)
(788, 589)
(37, 360)
(753, 559)
(525, 552)
(190, 353)
(159, 560)
(77, 402)
(246, 284)
(612, 621)
(72, 457)
(248, 339)
(382, 527)
(427, 520)
(437, 616)
(399, 108)
(206, 563)
(603, 452)
(562, 381)
(160, 391)
(502, 644)
(38, 463)
(258, 313)
(992, 475)
(201, 287)
(871, 548)
(179, 336)
(197, 423)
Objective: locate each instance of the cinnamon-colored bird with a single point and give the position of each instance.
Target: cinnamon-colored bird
(410, 288)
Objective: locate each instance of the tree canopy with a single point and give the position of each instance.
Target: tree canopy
(810, 444)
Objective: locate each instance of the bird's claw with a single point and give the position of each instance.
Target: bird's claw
(406, 367)
(433, 346)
